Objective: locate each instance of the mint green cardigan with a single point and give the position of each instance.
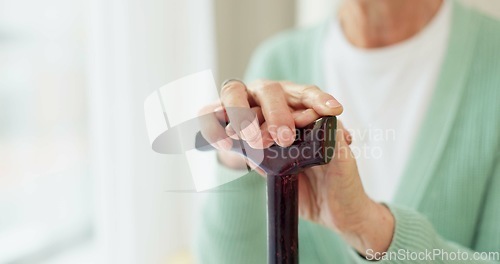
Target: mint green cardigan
(449, 196)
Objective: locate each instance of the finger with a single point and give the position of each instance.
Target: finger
(342, 150)
(271, 98)
(304, 117)
(344, 133)
(258, 113)
(266, 140)
(211, 129)
(220, 113)
(310, 96)
(256, 168)
(347, 137)
(231, 133)
(234, 97)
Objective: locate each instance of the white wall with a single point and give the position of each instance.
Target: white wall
(313, 11)
(491, 7)
(310, 12)
(137, 46)
(242, 25)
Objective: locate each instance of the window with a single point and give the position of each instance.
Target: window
(45, 189)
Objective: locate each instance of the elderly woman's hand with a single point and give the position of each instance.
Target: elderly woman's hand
(331, 195)
(263, 113)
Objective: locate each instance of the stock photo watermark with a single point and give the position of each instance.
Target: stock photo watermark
(432, 255)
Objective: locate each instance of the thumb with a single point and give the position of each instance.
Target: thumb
(343, 139)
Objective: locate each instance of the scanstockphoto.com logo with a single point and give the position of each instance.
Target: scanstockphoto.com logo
(429, 255)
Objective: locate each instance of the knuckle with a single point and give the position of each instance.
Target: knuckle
(259, 82)
(267, 86)
(310, 89)
(233, 87)
(310, 92)
(280, 114)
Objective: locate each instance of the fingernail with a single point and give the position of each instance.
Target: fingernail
(224, 144)
(285, 135)
(249, 130)
(333, 104)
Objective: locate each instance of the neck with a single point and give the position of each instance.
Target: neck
(379, 23)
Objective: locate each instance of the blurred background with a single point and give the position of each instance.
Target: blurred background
(79, 182)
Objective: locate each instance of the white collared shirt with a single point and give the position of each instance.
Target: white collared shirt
(385, 93)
